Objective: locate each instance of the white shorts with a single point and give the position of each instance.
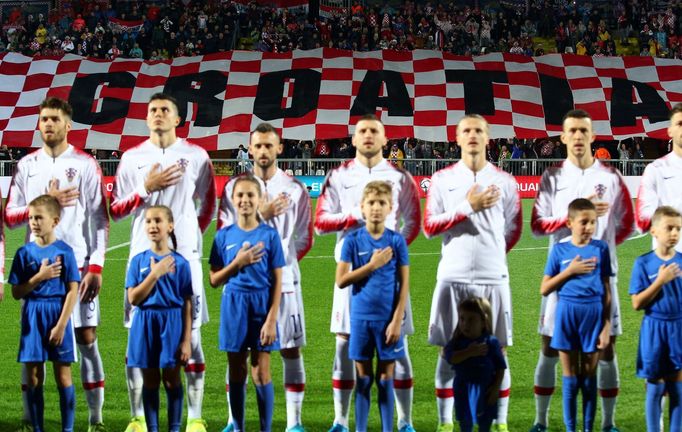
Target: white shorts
(548, 309)
(448, 295)
(85, 314)
(341, 313)
(199, 307)
(291, 320)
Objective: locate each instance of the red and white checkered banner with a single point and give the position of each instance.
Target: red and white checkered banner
(322, 93)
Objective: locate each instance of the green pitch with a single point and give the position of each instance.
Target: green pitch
(526, 263)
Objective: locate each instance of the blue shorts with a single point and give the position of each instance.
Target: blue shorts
(470, 403)
(577, 326)
(154, 338)
(660, 348)
(242, 315)
(366, 336)
(38, 318)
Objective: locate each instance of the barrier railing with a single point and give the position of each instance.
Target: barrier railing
(420, 167)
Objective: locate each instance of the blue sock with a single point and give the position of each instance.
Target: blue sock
(265, 395)
(36, 404)
(588, 386)
(363, 385)
(237, 404)
(654, 393)
(675, 400)
(386, 403)
(174, 397)
(67, 407)
(570, 398)
(150, 402)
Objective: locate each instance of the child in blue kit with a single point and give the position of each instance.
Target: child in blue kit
(579, 271)
(45, 275)
(374, 261)
(159, 284)
(656, 287)
(247, 257)
(479, 364)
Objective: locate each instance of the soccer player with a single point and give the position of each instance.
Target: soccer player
(338, 210)
(477, 209)
(167, 170)
(578, 271)
(75, 179)
(661, 179)
(285, 206)
(655, 286)
(580, 176)
(45, 275)
(374, 261)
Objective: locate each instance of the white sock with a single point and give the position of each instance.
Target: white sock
(227, 394)
(134, 381)
(294, 389)
(194, 373)
(403, 388)
(24, 395)
(445, 395)
(343, 381)
(92, 377)
(608, 382)
(503, 401)
(545, 380)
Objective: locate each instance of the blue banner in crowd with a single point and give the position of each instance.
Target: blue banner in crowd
(313, 183)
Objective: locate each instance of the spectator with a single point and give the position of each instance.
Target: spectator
(602, 153)
(396, 155)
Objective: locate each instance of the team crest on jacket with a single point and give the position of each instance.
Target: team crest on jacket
(182, 163)
(70, 173)
(600, 190)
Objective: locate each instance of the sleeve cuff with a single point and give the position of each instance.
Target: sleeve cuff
(142, 191)
(464, 208)
(94, 268)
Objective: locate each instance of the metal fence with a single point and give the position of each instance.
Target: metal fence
(420, 167)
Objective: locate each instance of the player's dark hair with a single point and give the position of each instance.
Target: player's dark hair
(248, 178)
(50, 203)
(676, 109)
(576, 114)
(58, 104)
(166, 97)
(578, 205)
(169, 216)
(266, 128)
(479, 306)
(663, 211)
(370, 117)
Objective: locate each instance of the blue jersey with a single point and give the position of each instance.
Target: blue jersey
(668, 302)
(582, 287)
(171, 290)
(28, 260)
(258, 276)
(375, 297)
(478, 368)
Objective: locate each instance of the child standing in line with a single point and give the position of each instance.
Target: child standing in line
(656, 287)
(476, 356)
(160, 285)
(45, 275)
(579, 271)
(247, 257)
(374, 260)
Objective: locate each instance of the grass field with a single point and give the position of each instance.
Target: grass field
(526, 264)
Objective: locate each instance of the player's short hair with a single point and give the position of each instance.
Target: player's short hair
(169, 216)
(475, 117)
(377, 187)
(578, 205)
(576, 114)
(266, 128)
(676, 109)
(664, 211)
(369, 117)
(480, 306)
(248, 178)
(58, 104)
(166, 97)
(50, 203)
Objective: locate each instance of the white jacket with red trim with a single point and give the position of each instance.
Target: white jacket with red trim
(129, 196)
(338, 207)
(474, 244)
(295, 226)
(565, 182)
(83, 226)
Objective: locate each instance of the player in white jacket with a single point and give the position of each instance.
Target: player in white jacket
(476, 208)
